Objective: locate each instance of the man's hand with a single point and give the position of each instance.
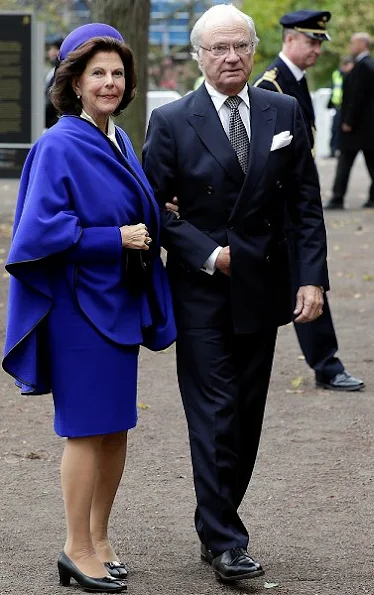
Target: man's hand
(173, 207)
(309, 303)
(346, 127)
(223, 261)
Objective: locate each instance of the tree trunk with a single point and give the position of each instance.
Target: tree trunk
(131, 18)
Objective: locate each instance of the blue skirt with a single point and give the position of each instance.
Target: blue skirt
(94, 381)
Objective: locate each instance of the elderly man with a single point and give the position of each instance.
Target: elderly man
(237, 158)
(304, 31)
(357, 121)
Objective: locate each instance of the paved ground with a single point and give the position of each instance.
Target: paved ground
(310, 507)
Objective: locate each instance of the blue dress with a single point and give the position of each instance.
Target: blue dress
(75, 317)
(93, 380)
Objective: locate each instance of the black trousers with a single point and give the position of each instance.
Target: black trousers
(224, 382)
(343, 170)
(319, 345)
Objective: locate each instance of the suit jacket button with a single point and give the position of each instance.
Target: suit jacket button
(267, 223)
(279, 184)
(267, 258)
(209, 190)
(230, 227)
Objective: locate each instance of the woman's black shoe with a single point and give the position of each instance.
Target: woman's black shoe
(116, 569)
(68, 570)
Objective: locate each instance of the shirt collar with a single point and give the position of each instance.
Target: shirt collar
(296, 71)
(219, 98)
(362, 55)
(111, 134)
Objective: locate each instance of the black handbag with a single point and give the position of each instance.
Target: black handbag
(136, 264)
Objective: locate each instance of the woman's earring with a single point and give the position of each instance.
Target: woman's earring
(78, 96)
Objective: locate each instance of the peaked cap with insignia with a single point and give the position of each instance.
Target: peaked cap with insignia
(310, 22)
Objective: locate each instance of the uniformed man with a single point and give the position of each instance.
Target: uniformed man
(304, 31)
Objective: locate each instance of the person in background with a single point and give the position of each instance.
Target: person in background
(335, 102)
(52, 55)
(357, 121)
(87, 288)
(304, 31)
(236, 157)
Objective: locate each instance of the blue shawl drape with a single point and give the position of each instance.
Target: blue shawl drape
(76, 190)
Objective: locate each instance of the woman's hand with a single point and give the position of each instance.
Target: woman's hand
(135, 237)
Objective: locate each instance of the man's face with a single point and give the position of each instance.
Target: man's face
(52, 53)
(357, 45)
(302, 50)
(228, 73)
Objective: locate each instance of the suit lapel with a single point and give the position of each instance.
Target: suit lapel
(263, 118)
(204, 119)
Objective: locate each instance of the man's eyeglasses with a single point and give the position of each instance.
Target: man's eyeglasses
(222, 49)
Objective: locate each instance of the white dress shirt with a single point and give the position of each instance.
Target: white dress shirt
(296, 71)
(223, 111)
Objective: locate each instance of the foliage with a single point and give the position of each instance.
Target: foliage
(348, 16)
(50, 12)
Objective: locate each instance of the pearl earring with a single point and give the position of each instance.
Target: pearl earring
(78, 96)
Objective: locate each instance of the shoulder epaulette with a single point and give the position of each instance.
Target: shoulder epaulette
(270, 76)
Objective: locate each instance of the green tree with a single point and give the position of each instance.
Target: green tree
(131, 18)
(50, 12)
(348, 17)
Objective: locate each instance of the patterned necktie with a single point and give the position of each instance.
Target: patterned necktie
(237, 133)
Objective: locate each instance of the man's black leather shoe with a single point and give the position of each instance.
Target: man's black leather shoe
(334, 204)
(206, 554)
(235, 565)
(368, 205)
(342, 382)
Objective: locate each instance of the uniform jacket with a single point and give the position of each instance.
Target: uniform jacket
(358, 106)
(76, 191)
(187, 154)
(278, 77)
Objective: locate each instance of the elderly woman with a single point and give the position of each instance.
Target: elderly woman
(87, 288)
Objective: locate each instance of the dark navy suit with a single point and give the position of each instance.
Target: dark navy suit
(317, 339)
(227, 326)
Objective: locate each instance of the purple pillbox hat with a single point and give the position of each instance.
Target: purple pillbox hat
(83, 34)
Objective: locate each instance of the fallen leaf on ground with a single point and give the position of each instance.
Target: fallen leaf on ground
(296, 391)
(368, 277)
(143, 406)
(296, 382)
(270, 585)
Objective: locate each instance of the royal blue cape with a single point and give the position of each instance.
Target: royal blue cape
(76, 190)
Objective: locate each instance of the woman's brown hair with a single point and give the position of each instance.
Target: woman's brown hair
(62, 94)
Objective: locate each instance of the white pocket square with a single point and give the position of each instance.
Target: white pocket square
(281, 140)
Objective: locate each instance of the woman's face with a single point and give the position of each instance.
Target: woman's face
(101, 86)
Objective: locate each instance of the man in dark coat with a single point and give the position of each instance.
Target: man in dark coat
(303, 34)
(237, 158)
(357, 121)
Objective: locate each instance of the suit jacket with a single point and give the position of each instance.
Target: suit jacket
(358, 106)
(278, 77)
(187, 154)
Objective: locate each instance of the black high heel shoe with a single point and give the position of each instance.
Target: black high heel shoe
(68, 570)
(116, 569)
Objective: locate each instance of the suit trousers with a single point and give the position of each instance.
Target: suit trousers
(224, 380)
(343, 170)
(319, 345)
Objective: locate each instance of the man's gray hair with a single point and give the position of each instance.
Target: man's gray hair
(220, 12)
(364, 37)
